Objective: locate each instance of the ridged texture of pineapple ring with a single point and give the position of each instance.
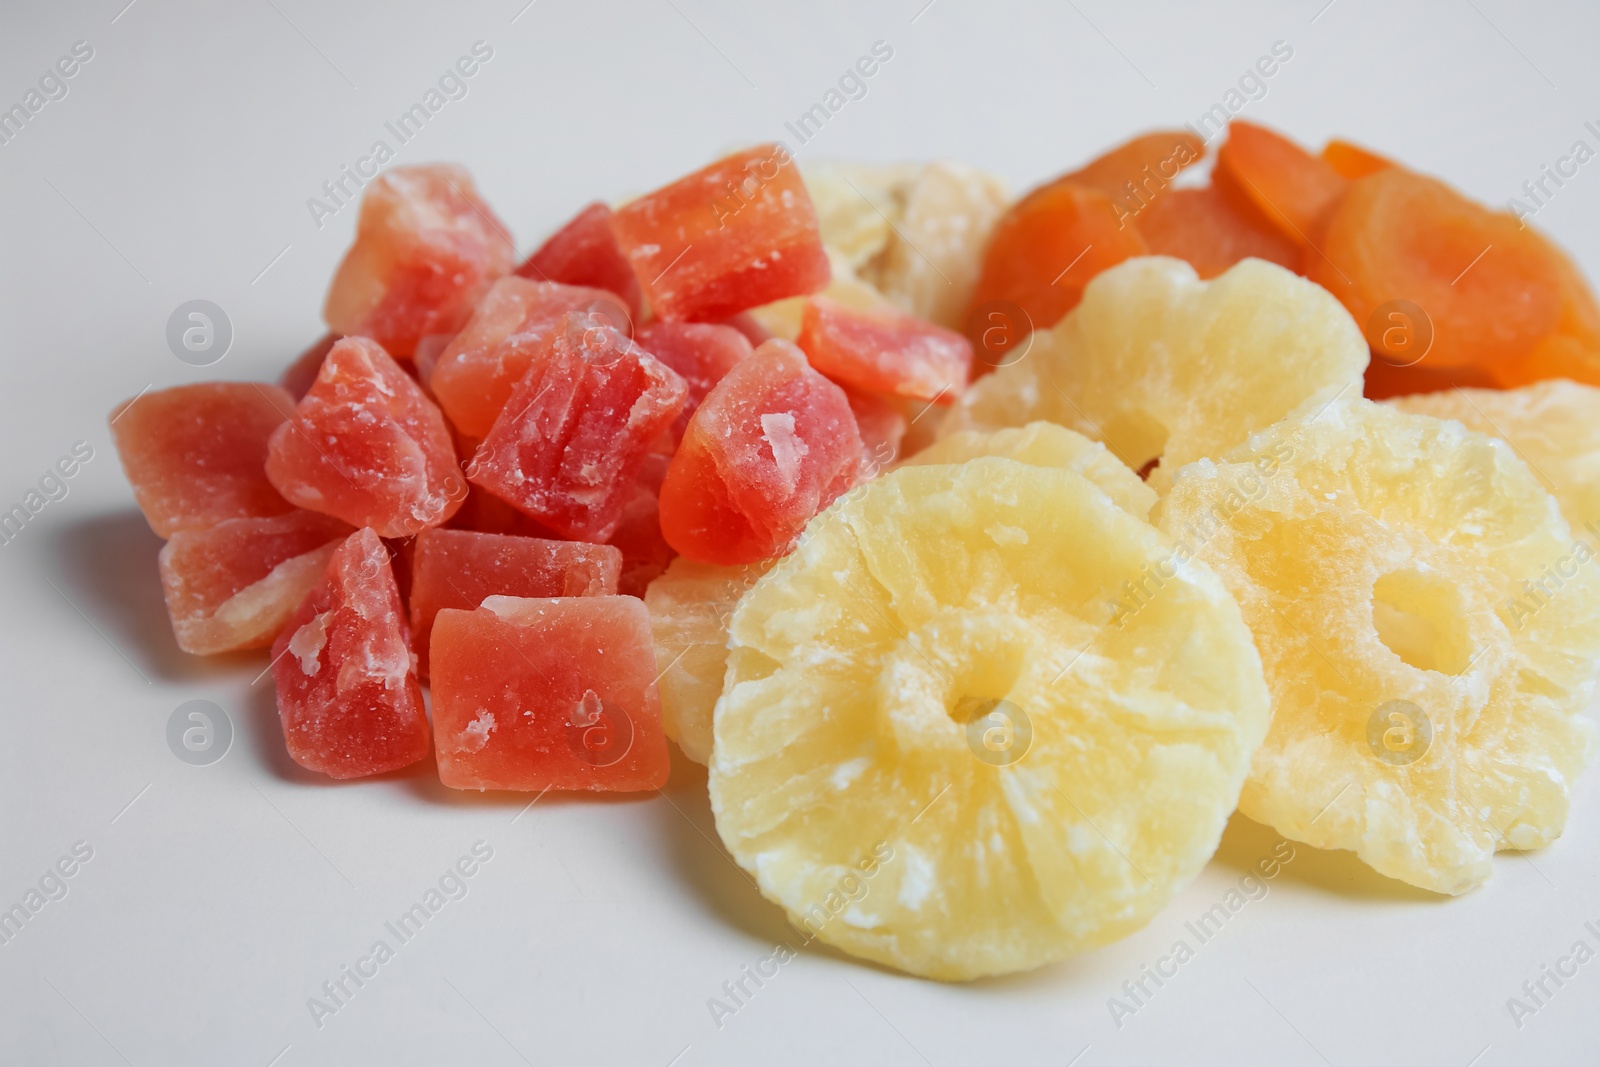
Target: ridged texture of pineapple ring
(842, 781)
(1354, 516)
(1157, 363)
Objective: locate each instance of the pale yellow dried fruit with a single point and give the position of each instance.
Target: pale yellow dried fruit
(1429, 627)
(690, 607)
(1159, 364)
(1046, 444)
(1553, 426)
(858, 205)
(937, 751)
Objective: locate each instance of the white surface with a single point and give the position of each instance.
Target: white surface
(178, 167)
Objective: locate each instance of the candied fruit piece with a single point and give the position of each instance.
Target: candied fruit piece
(194, 453)
(298, 376)
(1045, 444)
(1553, 426)
(731, 236)
(701, 353)
(234, 585)
(552, 693)
(348, 695)
(367, 446)
(1160, 365)
(645, 553)
(884, 351)
(575, 432)
(1136, 173)
(882, 425)
(1211, 229)
(474, 376)
(773, 444)
(956, 624)
(1427, 679)
(426, 249)
(690, 607)
(858, 205)
(1350, 160)
(584, 252)
(1293, 189)
(781, 318)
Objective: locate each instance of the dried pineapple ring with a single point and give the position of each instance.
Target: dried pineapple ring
(935, 749)
(1046, 444)
(1157, 363)
(858, 205)
(1554, 426)
(1425, 698)
(690, 606)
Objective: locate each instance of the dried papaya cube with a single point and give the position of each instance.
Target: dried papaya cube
(884, 351)
(458, 568)
(773, 444)
(882, 425)
(367, 446)
(576, 429)
(584, 252)
(701, 353)
(475, 374)
(348, 697)
(297, 377)
(737, 234)
(194, 453)
(645, 553)
(427, 248)
(234, 585)
(549, 693)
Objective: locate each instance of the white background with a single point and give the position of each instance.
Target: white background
(222, 898)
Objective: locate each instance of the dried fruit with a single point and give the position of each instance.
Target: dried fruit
(535, 694)
(569, 443)
(367, 446)
(348, 697)
(1030, 779)
(645, 552)
(1211, 230)
(1160, 365)
(427, 248)
(773, 444)
(1292, 188)
(234, 585)
(1427, 671)
(885, 352)
(194, 453)
(584, 252)
(701, 353)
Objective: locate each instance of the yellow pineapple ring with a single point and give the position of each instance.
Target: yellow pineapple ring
(690, 607)
(1159, 364)
(937, 751)
(1554, 426)
(1046, 444)
(1425, 699)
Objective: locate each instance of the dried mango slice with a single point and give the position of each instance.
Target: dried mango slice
(1045, 444)
(1429, 628)
(931, 687)
(1158, 364)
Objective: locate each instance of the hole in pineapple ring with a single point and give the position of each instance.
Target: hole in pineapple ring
(1136, 437)
(1399, 732)
(596, 734)
(998, 732)
(1422, 619)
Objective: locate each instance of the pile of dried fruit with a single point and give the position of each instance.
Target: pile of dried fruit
(1148, 558)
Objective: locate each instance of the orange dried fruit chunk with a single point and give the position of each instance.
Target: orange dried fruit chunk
(1211, 230)
(584, 252)
(1350, 160)
(1294, 189)
(885, 352)
(1136, 173)
(366, 445)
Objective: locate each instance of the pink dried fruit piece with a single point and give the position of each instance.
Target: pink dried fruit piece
(474, 375)
(427, 248)
(367, 446)
(458, 568)
(701, 353)
(234, 585)
(645, 553)
(533, 694)
(585, 252)
(194, 453)
(571, 440)
(884, 351)
(348, 696)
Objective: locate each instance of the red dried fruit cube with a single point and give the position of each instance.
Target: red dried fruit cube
(773, 444)
(348, 696)
(882, 425)
(735, 235)
(753, 331)
(645, 553)
(585, 252)
(474, 376)
(426, 250)
(367, 446)
(884, 351)
(548, 694)
(570, 441)
(701, 353)
(298, 376)
(194, 454)
(234, 585)
(458, 568)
